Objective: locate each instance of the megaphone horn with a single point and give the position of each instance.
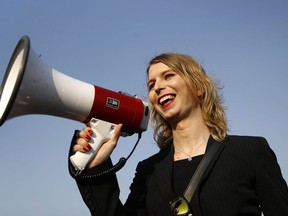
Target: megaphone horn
(30, 86)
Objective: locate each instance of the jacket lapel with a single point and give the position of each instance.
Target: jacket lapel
(195, 200)
(163, 170)
(214, 160)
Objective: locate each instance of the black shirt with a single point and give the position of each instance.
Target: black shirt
(183, 171)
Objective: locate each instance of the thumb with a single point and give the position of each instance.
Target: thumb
(116, 134)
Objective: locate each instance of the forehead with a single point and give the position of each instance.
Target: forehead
(157, 69)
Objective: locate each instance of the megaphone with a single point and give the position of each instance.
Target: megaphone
(30, 86)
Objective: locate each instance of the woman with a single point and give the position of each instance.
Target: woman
(242, 179)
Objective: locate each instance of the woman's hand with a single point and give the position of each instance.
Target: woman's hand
(104, 152)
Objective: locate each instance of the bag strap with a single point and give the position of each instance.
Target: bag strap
(191, 187)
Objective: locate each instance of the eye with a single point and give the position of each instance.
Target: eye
(150, 85)
(169, 75)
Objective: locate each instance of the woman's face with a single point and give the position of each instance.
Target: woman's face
(169, 94)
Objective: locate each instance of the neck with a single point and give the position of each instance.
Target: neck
(190, 137)
(190, 132)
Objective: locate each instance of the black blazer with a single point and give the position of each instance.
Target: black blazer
(243, 178)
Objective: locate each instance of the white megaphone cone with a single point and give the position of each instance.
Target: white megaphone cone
(30, 86)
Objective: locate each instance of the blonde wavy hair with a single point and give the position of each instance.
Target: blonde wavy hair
(197, 80)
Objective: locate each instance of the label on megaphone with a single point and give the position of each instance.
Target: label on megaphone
(102, 132)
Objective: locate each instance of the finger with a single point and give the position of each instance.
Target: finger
(81, 145)
(83, 149)
(88, 130)
(117, 132)
(86, 133)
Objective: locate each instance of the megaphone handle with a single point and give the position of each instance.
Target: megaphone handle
(102, 132)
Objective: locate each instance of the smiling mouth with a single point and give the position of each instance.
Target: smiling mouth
(166, 99)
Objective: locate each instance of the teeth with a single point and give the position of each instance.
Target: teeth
(167, 97)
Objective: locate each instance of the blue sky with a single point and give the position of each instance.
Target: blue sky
(243, 44)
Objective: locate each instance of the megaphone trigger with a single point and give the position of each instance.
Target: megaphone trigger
(102, 132)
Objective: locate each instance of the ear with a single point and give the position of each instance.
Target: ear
(199, 93)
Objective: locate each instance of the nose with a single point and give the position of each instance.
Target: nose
(159, 86)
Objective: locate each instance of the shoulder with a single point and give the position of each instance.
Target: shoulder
(159, 156)
(245, 154)
(247, 145)
(246, 141)
(148, 164)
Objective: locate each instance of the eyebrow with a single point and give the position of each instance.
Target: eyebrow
(161, 74)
